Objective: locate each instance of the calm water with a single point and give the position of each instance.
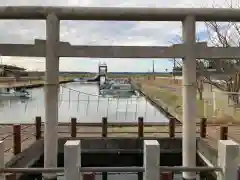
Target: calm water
(80, 101)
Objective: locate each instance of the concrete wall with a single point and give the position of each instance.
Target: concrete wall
(167, 144)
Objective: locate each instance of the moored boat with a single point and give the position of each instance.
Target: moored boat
(9, 93)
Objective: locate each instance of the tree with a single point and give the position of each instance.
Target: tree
(226, 35)
(227, 72)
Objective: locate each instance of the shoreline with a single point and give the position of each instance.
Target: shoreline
(162, 107)
(31, 85)
(208, 152)
(170, 110)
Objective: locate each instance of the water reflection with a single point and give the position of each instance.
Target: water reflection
(83, 102)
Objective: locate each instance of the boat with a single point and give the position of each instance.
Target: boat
(93, 79)
(117, 89)
(11, 93)
(107, 85)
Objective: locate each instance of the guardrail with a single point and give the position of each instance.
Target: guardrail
(228, 152)
(223, 134)
(140, 124)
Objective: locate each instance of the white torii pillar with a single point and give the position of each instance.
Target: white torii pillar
(189, 98)
(51, 95)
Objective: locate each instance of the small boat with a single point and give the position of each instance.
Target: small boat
(107, 85)
(11, 93)
(93, 79)
(117, 89)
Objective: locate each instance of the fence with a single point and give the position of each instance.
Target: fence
(228, 152)
(104, 125)
(223, 105)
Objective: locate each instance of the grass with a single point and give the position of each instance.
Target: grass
(173, 100)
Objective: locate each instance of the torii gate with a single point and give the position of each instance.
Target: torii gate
(53, 49)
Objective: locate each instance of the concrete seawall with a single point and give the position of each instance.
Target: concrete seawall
(164, 109)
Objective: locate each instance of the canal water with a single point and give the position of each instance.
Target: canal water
(83, 102)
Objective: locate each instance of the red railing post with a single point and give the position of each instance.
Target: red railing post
(203, 128)
(104, 134)
(104, 127)
(140, 127)
(73, 127)
(223, 133)
(166, 176)
(88, 176)
(16, 139)
(171, 127)
(38, 126)
(140, 141)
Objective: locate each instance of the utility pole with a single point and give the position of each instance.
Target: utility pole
(174, 66)
(153, 69)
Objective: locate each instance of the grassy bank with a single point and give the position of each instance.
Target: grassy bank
(171, 98)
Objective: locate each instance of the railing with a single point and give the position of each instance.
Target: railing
(228, 151)
(104, 126)
(104, 130)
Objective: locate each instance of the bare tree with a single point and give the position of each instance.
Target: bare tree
(227, 72)
(200, 63)
(225, 35)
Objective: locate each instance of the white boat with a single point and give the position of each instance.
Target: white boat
(10, 93)
(118, 89)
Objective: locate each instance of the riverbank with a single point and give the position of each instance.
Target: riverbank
(167, 95)
(30, 84)
(164, 108)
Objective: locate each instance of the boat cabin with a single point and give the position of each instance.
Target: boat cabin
(121, 87)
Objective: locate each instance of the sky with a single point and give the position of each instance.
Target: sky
(102, 33)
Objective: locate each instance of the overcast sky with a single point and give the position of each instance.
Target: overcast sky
(101, 33)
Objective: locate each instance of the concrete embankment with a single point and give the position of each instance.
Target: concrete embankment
(162, 107)
(208, 153)
(118, 149)
(29, 85)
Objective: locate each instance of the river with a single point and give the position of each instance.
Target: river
(83, 102)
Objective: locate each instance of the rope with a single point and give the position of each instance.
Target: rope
(112, 106)
(81, 92)
(96, 95)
